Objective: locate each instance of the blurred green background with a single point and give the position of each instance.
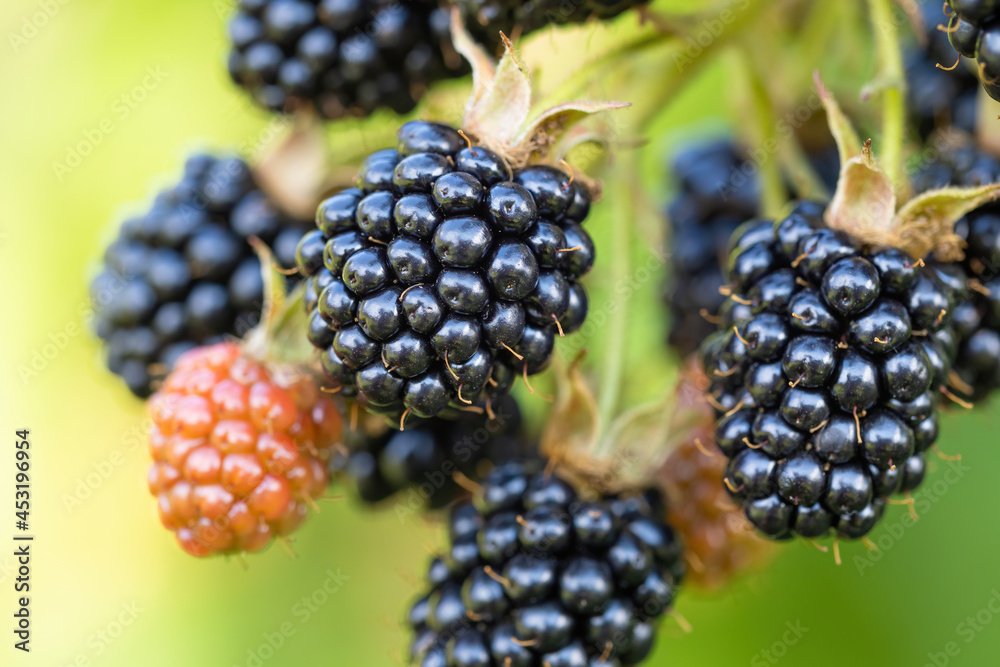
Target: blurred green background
(142, 83)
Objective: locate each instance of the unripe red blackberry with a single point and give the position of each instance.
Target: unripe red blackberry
(183, 274)
(239, 449)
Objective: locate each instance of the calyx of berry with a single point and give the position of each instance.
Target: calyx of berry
(866, 204)
(499, 113)
(281, 337)
(625, 455)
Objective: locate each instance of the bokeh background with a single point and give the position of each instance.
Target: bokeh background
(144, 82)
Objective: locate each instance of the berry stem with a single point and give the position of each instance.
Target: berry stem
(616, 342)
(892, 81)
(772, 185)
(681, 64)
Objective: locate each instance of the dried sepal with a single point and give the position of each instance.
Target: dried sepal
(296, 172)
(499, 113)
(573, 428)
(926, 223)
(865, 201)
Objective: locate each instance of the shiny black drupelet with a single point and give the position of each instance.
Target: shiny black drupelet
(444, 275)
(825, 373)
(183, 274)
(535, 575)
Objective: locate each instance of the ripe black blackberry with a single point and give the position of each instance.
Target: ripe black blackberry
(718, 190)
(422, 460)
(343, 56)
(824, 375)
(534, 575)
(443, 276)
(183, 274)
(976, 340)
(974, 31)
(486, 18)
(936, 97)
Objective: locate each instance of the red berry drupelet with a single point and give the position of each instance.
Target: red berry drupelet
(344, 57)
(421, 462)
(535, 575)
(976, 343)
(716, 195)
(183, 273)
(825, 375)
(239, 450)
(443, 276)
(974, 32)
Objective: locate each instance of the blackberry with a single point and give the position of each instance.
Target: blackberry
(344, 57)
(976, 282)
(442, 276)
(239, 449)
(486, 18)
(536, 575)
(422, 460)
(974, 32)
(718, 191)
(183, 274)
(938, 98)
(824, 374)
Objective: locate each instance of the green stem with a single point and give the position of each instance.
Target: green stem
(891, 77)
(614, 357)
(772, 185)
(686, 61)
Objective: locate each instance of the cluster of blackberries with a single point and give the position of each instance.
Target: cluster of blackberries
(974, 31)
(443, 276)
(486, 18)
(976, 318)
(718, 191)
(183, 274)
(938, 98)
(344, 56)
(535, 575)
(825, 373)
(425, 457)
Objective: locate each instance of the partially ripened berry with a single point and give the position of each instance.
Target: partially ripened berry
(534, 575)
(441, 280)
(239, 450)
(183, 274)
(826, 387)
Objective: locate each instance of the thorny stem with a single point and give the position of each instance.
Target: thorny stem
(893, 82)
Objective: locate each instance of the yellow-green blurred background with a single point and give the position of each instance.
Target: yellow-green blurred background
(109, 586)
